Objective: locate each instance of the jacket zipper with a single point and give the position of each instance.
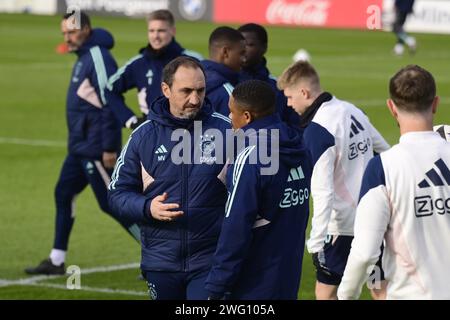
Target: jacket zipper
(184, 244)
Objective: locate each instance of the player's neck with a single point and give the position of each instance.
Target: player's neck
(315, 95)
(414, 123)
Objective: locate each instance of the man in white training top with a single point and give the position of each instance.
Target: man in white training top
(341, 141)
(405, 200)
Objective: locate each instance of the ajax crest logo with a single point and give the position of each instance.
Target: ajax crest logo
(152, 291)
(207, 147)
(77, 71)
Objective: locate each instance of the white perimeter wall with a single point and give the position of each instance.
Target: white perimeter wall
(431, 16)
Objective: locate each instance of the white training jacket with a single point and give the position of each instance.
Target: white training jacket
(342, 141)
(406, 201)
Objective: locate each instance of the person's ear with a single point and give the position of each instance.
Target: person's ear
(435, 104)
(165, 89)
(247, 117)
(392, 108)
(305, 93)
(86, 30)
(225, 53)
(265, 49)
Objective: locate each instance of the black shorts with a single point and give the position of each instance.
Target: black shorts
(336, 252)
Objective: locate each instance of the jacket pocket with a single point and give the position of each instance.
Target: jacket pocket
(92, 128)
(78, 126)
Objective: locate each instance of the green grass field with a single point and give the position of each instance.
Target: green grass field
(354, 65)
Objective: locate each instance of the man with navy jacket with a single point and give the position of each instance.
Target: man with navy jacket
(94, 134)
(255, 68)
(260, 249)
(144, 70)
(167, 180)
(226, 55)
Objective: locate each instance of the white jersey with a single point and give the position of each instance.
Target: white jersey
(342, 141)
(406, 201)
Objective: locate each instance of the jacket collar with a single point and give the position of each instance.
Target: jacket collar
(311, 111)
(98, 37)
(171, 51)
(263, 122)
(222, 70)
(259, 71)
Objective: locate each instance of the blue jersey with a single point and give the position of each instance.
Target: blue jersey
(220, 82)
(143, 72)
(146, 169)
(261, 245)
(261, 72)
(93, 129)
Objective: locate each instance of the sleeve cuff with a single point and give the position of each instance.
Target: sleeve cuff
(131, 121)
(314, 246)
(146, 214)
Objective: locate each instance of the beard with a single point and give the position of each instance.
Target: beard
(190, 113)
(75, 45)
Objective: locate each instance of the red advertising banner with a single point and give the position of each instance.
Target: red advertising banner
(313, 13)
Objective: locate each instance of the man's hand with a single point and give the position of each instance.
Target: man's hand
(138, 122)
(109, 159)
(161, 211)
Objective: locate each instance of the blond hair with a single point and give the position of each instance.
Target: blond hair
(163, 14)
(299, 71)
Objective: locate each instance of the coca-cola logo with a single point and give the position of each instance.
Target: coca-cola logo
(306, 12)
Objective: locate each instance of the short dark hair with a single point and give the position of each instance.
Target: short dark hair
(171, 68)
(163, 14)
(256, 29)
(85, 21)
(412, 89)
(256, 97)
(223, 35)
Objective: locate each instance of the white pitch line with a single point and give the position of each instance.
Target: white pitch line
(90, 289)
(34, 279)
(32, 142)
